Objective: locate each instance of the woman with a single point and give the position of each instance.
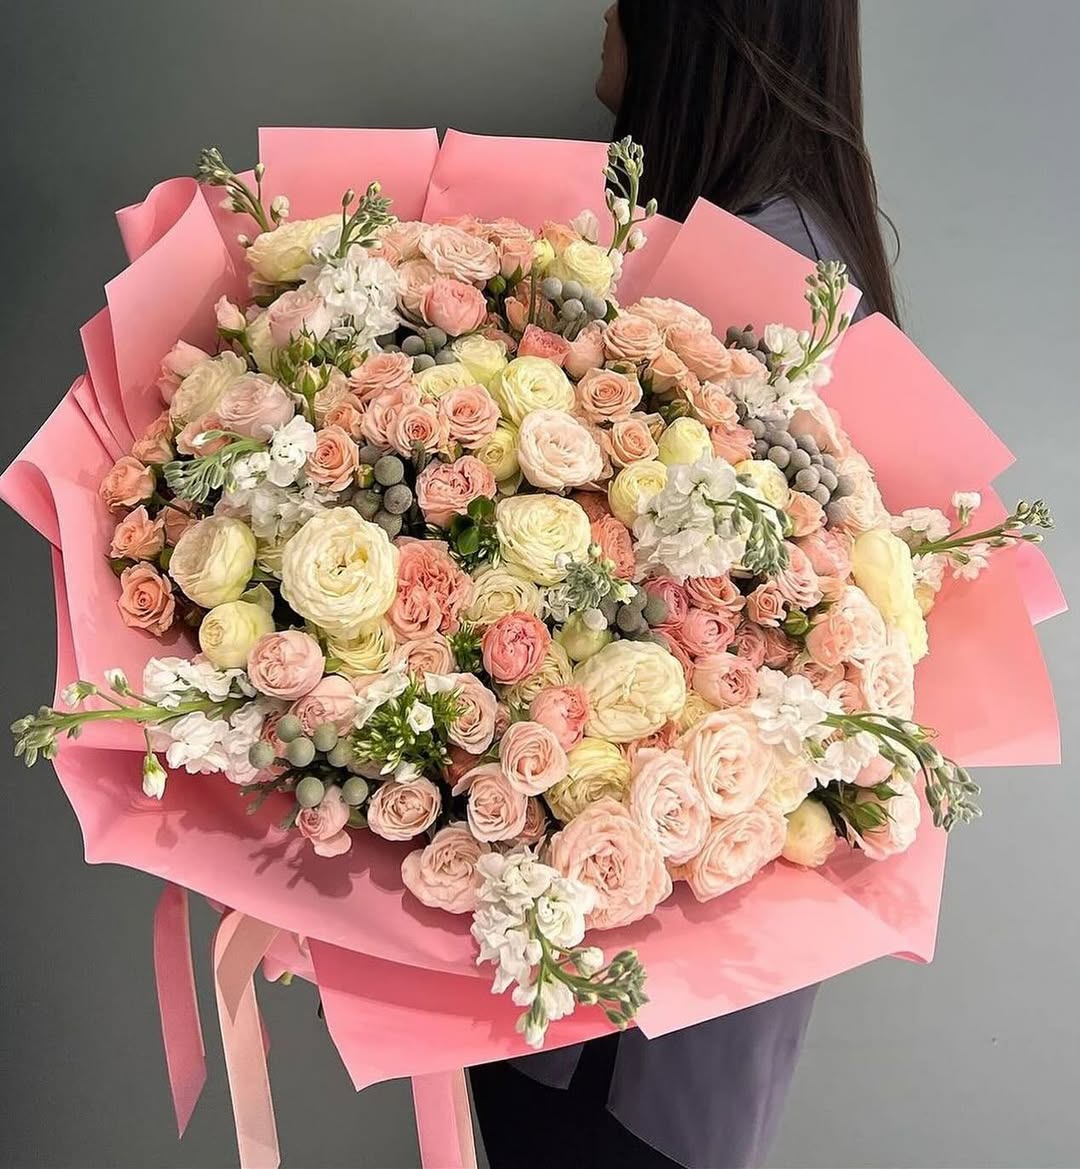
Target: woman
(755, 105)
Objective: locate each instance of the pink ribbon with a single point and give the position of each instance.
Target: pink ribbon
(444, 1120)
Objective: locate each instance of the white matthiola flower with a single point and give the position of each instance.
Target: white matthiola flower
(929, 569)
(789, 710)
(420, 718)
(636, 240)
(194, 742)
(162, 682)
(250, 470)
(968, 563)
(439, 683)
(966, 501)
(407, 773)
(784, 342)
(385, 687)
(926, 522)
(587, 225)
(620, 209)
(275, 513)
(279, 206)
(360, 290)
(154, 777)
(560, 919)
(844, 758)
(290, 446)
(590, 960)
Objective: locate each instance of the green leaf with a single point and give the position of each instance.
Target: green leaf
(468, 543)
(481, 508)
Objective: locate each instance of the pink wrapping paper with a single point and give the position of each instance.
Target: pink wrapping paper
(398, 981)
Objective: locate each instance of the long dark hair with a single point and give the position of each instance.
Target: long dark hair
(741, 101)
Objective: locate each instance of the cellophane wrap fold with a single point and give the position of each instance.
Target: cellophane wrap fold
(399, 983)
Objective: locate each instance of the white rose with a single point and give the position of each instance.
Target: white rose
(684, 441)
(898, 832)
(228, 632)
(634, 688)
(531, 383)
(555, 451)
(340, 572)
(484, 359)
(537, 532)
(810, 837)
(202, 389)
(213, 561)
(881, 566)
(766, 479)
(587, 263)
(633, 487)
(278, 256)
(498, 592)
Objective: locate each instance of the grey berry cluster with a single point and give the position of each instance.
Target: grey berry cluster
(636, 616)
(746, 339)
(806, 468)
(426, 347)
(301, 753)
(388, 500)
(576, 305)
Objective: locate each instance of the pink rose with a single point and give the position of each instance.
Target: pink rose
(735, 850)
(713, 405)
(296, 312)
(887, 678)
(346, 416)
(605, 848)
(862, 509)
(728, 760)
(474, 727)
(559, 235)
(665, 802)
(431, 590)
(586, 351)
(732, 442)
(419, 425)
(667, 371)
(593, 503)
(178, 516)
(415, 277)
(401, 811)
(765, 605)
(155, 445)
(615, 543)
(805, 513)
(444, 490)
(820, 677)
(443, 874)
(515, 255)
(459, 254)
(471, 414)
(466, 223)
(127, 484)
(146, 599)
(878, 770)
(514, 647)
(496, 810)
(334, 461)
(604, 395)
(138, 537)
(702, 632)
(453, 306)
(324, 825)
(564, 710)
(631, 338)
(181, 360)
(867, 624)
(717, 594)
(797, 582)
(669, 314)
(380, 373)
(555, 451)
(532, 758)
(898, 832)
(725, 680)
(254, 406)
(780, 650)
(286, 665)
(536, 824)
(332, 700)
(749, 643)
(704, 355)
(430, 654)
(537, 342)
(745, 365)
(831, 638)
(230, 317)
(404, 238)
(192, 439)
(630, 440)
(829, 552)
(674, 597)
(335, 393)
(662, 740)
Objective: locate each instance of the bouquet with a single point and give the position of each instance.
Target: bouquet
(457, 540)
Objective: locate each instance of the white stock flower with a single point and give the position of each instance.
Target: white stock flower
(290, 446)
(966, 501)
(378, 692)
(845, 757)
(194, 742)
(420, 718)
(587, 225)
(154, 777)
(926, 522)
(786, 343)
(789, 710)
(968, 564)
(360, 290)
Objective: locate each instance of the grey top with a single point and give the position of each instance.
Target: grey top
(711, 1095)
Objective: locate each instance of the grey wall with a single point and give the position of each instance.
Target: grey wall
(971, 107)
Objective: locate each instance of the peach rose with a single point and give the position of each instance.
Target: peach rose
(286, 665)
(564, 710)
(667, 371)
(380, 373)
(749, 643)
(631, 338)
(324, 825)
(181, 360)
(604, 395)
(725, 680)
(821, 424)
(444, 490)
(514, 647)
(453, 306)
(713, 405)
(346, 416)
(382, 413)
(537, 342)
(669, 314)
(459, 254)
(296, 312)
(586, 351)
(532, 758)
(474, 728)
(702, 632)
(415, 277)
(471, 415)
(191, 440)
(704, 355)
(615, 543)
(334, 461)
(127, 484)
(780, 650)
(674, 597)
(797, 582)
(331, 700)
(829, 552)
(805, 513)
(335, 393)
(536, 824)
(731, 442)
(593, 503)
(419, 425)
(735, 850)
(662, 740)
(443, 874)
(431, 590)
(765, 605)
(254, 406)
(177, 516)
(820, 677)
(401, 811)
(138, 537)
(555, 451)
(430, 654)
(717, 594)
(665, 802)
(496, 810)
(728, 760)
(605, 848)
(403, 238)
(155, 445)
(630, 440)
(831, 638)
(146, 599)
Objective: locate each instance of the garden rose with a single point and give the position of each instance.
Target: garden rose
(213, 560)
(444, 490)
(128, 483)
(735, 850)
(702, 632)
(728, 760)
(286, 665)
(474, 728)
(586, 351)
(402, 811)
(514, 646)
(810, 837)
(615, 544)
(665, 802)
(453, 306)
(531, 383)
(471, 415)
(324, 825)
(632, 338)
(181, 360)
(898, 832)
(137, 536)
(668, 314)
(334, 461)
(380, 373)
(555, 451)
(537, 342)
(443, 874)
(277, 256)
(633, 487)
(430, 654)
(495, 810)
(483, 358)
(419, 425)
(597, 770)
(146, 599)
(749, 643)
(459, 254)
(301, 311)
(332, 700)
(704, 354)
(415, 277)
(805, 513)
(368, 651)
(732, 443)
(887, 679)
(431, 592)
(532, 757)
(881, 566)
(605, 395)
(633, 687)
(536, 533)
(497, 592)
(724, 680)
(201, 390)
(229, 631)
(564, 710)
(585, 262)
(254, 406)
(831, 638)
(155, 444)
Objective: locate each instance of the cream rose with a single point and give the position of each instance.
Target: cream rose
(532, 757)
(633, 487)
(728, 760)
(213, 561)
(810, 837)
(459, 254)
(735, 850)
(555, 451)
(369, 651)
(684, 442)
(531, 383)
(537, 531)
(277, 256)
(484, 359)
(437, 380)
(203, 388)
(633, 687)
(666, 803)
(340, 572)
(767, 479)
(495, 810)
(555, 670)
(887, 678)
(497, 592)
(881, 566)
(229, 632)
(499, 452)
(596, 769)
(587, 263)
